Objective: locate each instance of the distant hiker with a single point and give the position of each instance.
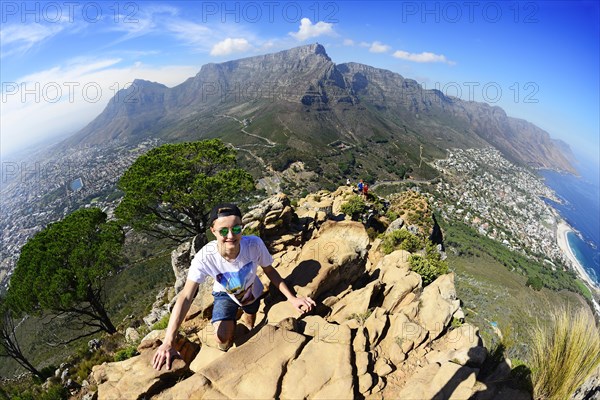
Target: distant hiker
(232, 260)
(365, 190)
(360, 186)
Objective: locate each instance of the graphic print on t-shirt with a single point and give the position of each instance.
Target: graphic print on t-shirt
(238, 283)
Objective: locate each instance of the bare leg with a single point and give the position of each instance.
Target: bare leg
(224, 331)
(248, 320)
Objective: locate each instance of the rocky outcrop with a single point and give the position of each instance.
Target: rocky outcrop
(375, 333)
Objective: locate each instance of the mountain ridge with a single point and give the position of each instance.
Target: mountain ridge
(303, 92)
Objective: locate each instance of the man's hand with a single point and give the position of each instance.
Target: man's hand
(303, 304)
(164, 354)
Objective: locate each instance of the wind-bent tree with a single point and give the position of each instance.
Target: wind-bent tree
(9, 345)
(170, 190)
(63, 269)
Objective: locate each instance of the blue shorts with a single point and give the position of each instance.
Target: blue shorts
(225, 309)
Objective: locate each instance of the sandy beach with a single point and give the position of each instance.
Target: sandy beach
(561, 236)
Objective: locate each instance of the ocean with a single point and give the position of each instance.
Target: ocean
(580, 207)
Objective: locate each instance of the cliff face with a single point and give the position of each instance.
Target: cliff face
(376, 332)
(301, 90)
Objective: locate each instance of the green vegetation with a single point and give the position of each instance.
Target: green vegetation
(31, 389)
(170, 190)
(130, 294)
(564, 353)
(429, 266)
(401, 239)
(126, 353)
(361, 317)
(161, 324)
(465, 241)
(535, 283)
(64, 267)
(354, 206)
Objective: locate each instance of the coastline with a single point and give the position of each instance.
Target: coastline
(562, 230)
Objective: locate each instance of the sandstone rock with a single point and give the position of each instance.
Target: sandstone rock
(326, 261)
(403, 335)
(396, 294)
(360, 340)
(280, 311)
(375, 325)
(382, 368)
(365, 383)
(332, 379)
(448, 381)
(322, 331)
(394, 266)
(180, 261)
(238, 372)
(395, 225)
(437, 305)
(206, 356)
(131, 335)
(362, 362)
(196, 387)
(135, 378)
(355, 303)
(461, 345)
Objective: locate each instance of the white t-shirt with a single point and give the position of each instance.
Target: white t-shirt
(238, 277)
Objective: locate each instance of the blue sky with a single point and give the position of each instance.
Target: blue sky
(61, 62)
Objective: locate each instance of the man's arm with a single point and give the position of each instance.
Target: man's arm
(302, 304)
(166, 352)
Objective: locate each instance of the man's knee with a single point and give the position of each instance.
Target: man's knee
(224, 331)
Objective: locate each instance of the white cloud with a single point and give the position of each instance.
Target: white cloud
(348, 42)
(309, 30)
(65, 98)
(19, 39)
(424, 57)
(377, 47)
(229, 46)
(192, 34)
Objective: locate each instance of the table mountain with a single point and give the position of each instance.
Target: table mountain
(298, 104)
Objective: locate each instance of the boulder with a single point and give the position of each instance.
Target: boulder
(252, 370)
(402, 336)
(355, 303)
(135, 378)
(332, 378)
(180, 261)
(437, 305)
(131, 335)
(396, 224)
(446, 381)
(322, 331)
(327, 261)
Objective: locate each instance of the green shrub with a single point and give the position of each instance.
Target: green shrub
(391, 215)
(535, 282)
(361, 317)
(251, 231)
(401, 239)
(564, 354)
(429, 266)
(162, 323)
(354, 206)
(126, 353)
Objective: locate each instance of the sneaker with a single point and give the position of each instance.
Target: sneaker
(224, 346)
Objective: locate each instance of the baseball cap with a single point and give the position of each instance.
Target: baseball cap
(223, 210)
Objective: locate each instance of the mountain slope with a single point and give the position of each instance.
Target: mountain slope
(298, 105)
